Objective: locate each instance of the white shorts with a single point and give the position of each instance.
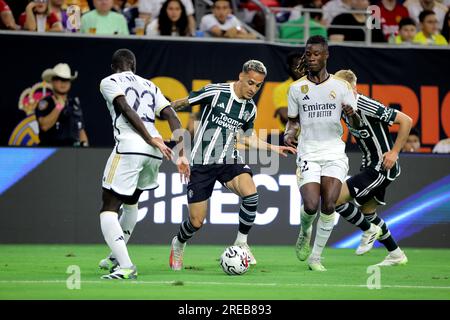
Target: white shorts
(124, 173)
(311, 171)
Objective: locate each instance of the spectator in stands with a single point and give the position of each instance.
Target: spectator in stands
(337, 34)
(413, 142)
(415, 7)
(103, 20)
(59, 116)
(129, 11)
(150, 9)
(429, 34)
(280, 92)
(172, 20)
(6, 17)
(222, 23)
(406, 32)
(83, 4)
(391, 14)
(38, 17)
(333, 8)
(446, 28)
(442, 146)
(56, 6)
(294, 29)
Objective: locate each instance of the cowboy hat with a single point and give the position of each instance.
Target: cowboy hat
(61, 70)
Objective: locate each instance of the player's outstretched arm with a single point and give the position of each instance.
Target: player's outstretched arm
(121, 103)
(255, 142)
(180, 104)
(353, 117)
(171, 116)
(405, 122)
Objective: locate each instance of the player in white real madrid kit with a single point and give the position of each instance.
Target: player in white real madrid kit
(315, 104)
(134, 163)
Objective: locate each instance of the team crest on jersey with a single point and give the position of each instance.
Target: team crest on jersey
(304, 89)
(246, 116)
(332, 94)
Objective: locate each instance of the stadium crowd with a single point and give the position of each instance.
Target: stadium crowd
(423, 22)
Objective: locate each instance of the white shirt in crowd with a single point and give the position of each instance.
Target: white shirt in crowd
(153, 7)
(145, 98)
(319, 107)
(209, 21)
(333, 8)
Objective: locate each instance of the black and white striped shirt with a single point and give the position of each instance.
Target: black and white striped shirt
(373, 138)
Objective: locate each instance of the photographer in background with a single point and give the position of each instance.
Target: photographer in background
(59, 116)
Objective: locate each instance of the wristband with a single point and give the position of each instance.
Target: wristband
(59, 106)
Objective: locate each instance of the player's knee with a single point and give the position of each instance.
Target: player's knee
(328, 207)
(310, 206)
(196, 222)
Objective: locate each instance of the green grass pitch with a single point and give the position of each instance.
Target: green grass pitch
(39, 272)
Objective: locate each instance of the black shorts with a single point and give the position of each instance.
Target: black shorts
(368, 184)
(203, 178)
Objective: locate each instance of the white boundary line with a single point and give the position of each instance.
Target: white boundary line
(261, 284)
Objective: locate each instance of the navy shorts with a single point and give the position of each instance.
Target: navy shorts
(204, 177)
(368, 184)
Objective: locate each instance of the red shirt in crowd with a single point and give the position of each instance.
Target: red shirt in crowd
(52, 18)
(390, 19)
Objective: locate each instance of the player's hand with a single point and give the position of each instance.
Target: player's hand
(283, 151)
(389, 159)
(165, 150)
(290, 141)
(183, 169)
(348, 110)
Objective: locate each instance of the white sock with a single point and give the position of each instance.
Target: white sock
(324, 227)
(114, 237)
(127, 221)
(397, 252)
(241, 238)
(306, 220)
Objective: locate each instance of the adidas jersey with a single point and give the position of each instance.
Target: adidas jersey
(373, 136)
(145, 98)
(319, 107)
(224, 114)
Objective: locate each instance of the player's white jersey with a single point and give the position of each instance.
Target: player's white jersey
(145, 98)
(319, 107)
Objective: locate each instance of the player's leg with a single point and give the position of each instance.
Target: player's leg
(120, 181)
(127, 221)
(197, 214)
(332, 175)
(244, 186)
(199, 190)
(396, 256)
(308, 180)
(114, 237)
(360, 187)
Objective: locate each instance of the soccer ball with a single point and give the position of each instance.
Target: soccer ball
(234, 261)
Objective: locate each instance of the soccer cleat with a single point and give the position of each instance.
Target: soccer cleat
(394, 260)
(108, 264)
(122, 273)
(368, 239)
(245, 246)
(302, 246)
(314, 264)
(176, 255)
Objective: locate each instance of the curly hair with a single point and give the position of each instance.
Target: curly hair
(165, 24)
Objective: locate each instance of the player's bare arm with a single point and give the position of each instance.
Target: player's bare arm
(121, 103)
(170, 115)
(405, 122)
(180, 104)
(353, 117)
(255, 142)
(291, 132)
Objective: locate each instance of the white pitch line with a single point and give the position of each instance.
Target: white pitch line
(260, 284)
